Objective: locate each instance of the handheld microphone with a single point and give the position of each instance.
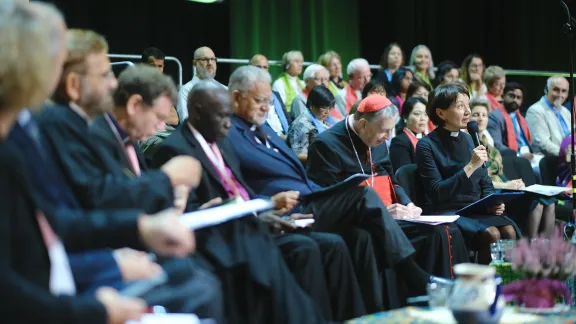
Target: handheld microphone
(472, 128)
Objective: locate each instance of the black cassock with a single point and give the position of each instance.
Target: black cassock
(256, 284)
(339, 153)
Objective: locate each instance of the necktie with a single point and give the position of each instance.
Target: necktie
(131, 152)
(260, 135)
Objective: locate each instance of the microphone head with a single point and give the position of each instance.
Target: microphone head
(472, 127)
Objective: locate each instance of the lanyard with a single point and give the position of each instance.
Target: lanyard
(356, 152)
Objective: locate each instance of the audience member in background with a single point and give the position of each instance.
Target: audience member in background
(278, 118)
(548, 120)
(332, 61)
(410, 128)
(356, 145)
(359, 75)
(508, 127)
(447, 72)
(288, 85)
(205, 64)
(540, 210)
(564, 178)
(472, 73)
(421, 61)
(312, 122)
(390, 61)
(320, 262)
(36, 285)
(375, 86)
(452, 173)
(401, 81)
(155, 57)
(269, 166)
(495, 80)
(419, 89)
(314, 75)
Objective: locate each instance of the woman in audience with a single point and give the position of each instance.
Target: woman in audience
(315, 120)
(375, 86)
(398, 88)
(421, 61)
(472, 74)
(447, 72)
(288, 85)
(420, 89)
(564, 178)
(540, 211)
(314, 75)
(495, 80)
(452, 173)
(410, 128)
(391, 60)
(331, 60)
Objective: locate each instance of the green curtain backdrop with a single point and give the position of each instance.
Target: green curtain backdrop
(272, 27)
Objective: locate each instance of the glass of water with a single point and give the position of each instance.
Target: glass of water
(438, 295)
(498, 250)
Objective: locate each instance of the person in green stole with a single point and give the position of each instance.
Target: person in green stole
(421, 60)
(288, 85)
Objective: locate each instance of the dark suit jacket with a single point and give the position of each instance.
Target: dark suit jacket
(94, 168)
(402, 151)
(25, 267)
(498, 131)
(266, 171)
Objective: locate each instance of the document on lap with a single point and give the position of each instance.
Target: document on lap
(220, 214)
(434, 219)
(548, 191)
(350, 182)
(167, 319)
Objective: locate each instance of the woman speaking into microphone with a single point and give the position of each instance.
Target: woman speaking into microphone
(453, 172)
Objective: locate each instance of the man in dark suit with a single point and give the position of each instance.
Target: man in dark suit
(203, 136)
(269, 167)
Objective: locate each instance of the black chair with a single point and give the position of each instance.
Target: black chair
(548, 169)
(409, 179)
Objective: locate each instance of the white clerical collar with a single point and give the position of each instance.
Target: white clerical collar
(350, 121)
(75, 108)
(454, 134)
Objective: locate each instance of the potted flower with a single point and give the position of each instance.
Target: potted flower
(543, 265)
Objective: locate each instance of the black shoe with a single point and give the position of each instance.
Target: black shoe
(440, 281)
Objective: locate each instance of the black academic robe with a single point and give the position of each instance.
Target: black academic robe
(94, 167)
(25, 266)
(339, 153)
(300, 251)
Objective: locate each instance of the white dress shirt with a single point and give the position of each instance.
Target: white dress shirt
(274, 121)
(182, 107)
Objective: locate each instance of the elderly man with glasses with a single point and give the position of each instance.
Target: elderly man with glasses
(314, 75)
(359, 75)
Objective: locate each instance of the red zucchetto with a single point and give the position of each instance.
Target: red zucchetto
(373, 103)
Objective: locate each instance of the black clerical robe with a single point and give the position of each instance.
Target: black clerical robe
(319, 261)
(339, 153)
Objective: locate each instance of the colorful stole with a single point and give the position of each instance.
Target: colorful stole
(384, 188)
(494, 104)
(351, 98)
(305, 93)
(333, 87)
(290, 92)
(411, 137)
(425, 79)
(431, 127)
(511, 130)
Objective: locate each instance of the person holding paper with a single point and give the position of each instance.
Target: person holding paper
(541, 211)
(452, 171)
(269, 166)
(320, 262)
(357, 145)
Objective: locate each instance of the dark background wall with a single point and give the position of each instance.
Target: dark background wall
(515, 34)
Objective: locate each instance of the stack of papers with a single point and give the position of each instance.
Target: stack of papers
(546, 190)
(434, 219)
(218, 215)
(167, 319)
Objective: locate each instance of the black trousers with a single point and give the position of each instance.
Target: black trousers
(321, 264)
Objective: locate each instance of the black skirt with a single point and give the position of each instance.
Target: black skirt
(472, 225)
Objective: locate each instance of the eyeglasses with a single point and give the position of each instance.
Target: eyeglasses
(207, 59)
(259, 100)
(365, 77)
(321, 79)
(263, 67)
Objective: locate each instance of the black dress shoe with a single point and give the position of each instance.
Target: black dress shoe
(440, 281)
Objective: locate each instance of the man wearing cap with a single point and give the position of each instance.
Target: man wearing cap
(357, 145)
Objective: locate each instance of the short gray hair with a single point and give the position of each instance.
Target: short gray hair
(146, 81)
(310, 72)
(244, 77)
(390, 111)
(356, 64)
(480, 101)
(552, 81)
(289, 56)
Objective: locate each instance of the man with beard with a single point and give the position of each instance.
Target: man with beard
(205, 64)
(507, 126)
(548, 120)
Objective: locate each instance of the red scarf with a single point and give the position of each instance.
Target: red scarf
(494, 104)
(511, 131)
(351, 98)
(431, 127)
(305, 93)
(413, 139)
(384, 188)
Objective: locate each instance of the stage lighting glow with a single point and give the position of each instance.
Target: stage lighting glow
(206, 1)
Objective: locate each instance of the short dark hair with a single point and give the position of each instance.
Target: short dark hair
(415, 85)
(320, 96)
(384, 57)
(373, 84)
(442, 98)
(511, 86)
(396, 82)
(407, 108)
(145, 81)
(443, 68)
(152, 52)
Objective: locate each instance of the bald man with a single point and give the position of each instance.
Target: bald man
(205, 66)
(548, 120)
(277, 117)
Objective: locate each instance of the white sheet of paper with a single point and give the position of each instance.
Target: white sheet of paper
(434, 219)
(536, 160)
(218, 215)
(546, 190)
(167, 319)
(304, 222)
